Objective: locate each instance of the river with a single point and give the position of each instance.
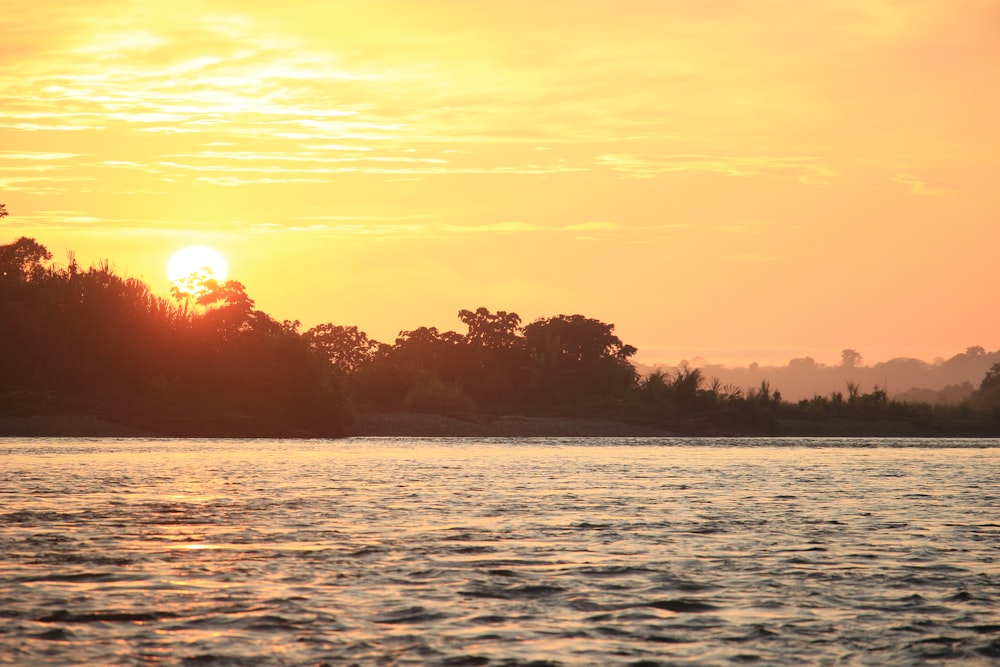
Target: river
(499, 552)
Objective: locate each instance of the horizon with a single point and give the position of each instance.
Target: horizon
(736, 182)
(693, 360)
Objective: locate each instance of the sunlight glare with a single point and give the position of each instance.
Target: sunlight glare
(191, 260)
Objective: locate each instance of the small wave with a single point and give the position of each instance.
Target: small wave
(56, 635)
(937, 648)
(502, 572)
(490, 619)
(37, 517)
(465, 661)
(65, 616)
(991, 650)
(513, 592)
(682, 605)
(78, 577)
(988, 628)
(669, 583)
(474, 549)
(614, 570)
(369, 550)
(415, 614)
(270, 622)
(313, 553)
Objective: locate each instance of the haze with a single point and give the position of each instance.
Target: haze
(737, 181)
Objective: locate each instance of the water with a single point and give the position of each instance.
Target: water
(463, 553)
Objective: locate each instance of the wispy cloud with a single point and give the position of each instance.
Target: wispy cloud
(492, 133)
(806, 169)
(593, 226)
(919, 186)
(427, 226)
(37, 155)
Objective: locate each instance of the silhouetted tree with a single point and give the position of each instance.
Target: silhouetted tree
(22, 260)
(418, 357)
(576, 357)
(987, 396)
(491, 331)
(665, 395)
(991, 379)
(496, 364)
(428, 349)
(347, 348)
(228, 308)
(93, 338)
(850, 358)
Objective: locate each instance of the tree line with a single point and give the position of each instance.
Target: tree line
(948, 381)
(91, 341)
(207, 362)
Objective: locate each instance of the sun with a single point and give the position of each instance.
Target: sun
(196, 262)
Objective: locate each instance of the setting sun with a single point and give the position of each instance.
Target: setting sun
(407, 164)
(297, 294)
(196, 259)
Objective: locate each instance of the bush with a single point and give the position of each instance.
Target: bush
(433, 395)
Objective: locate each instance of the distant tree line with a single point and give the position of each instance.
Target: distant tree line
(577, 366)
(209, 363)
(945, 381)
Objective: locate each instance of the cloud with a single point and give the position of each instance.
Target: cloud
(592, 226)
(37, 171)
(806, 168)
(920, 186)
(428, 226)
(57, 220)
(37, 155)
(40, 185)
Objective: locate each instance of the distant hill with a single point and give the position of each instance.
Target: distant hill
(946, 382)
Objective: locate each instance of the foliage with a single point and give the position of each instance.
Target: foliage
(992, 378)
(987, 396)
(850, 358)
(550, 364)
(346, 348)
(492, 331)
(211, 363)
(574, 358)
(23, 260)
(430, 394)
(107, 341)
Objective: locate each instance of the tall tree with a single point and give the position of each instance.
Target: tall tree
(22, 260)
(347, 348)
(850, 358)
(576, 357)
(491, 330)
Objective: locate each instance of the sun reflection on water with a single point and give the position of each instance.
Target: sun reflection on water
(223, 553)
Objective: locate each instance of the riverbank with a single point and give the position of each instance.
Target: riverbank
(68, 426)
(410, 424)
(367, 425)
(428, 425)
(422, 425)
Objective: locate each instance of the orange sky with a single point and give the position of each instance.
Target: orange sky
(737, 180)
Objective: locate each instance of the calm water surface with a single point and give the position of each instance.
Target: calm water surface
(465, 552)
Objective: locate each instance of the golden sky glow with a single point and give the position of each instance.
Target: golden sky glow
(740, 180)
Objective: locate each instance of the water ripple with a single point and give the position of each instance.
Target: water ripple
(495, 552)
